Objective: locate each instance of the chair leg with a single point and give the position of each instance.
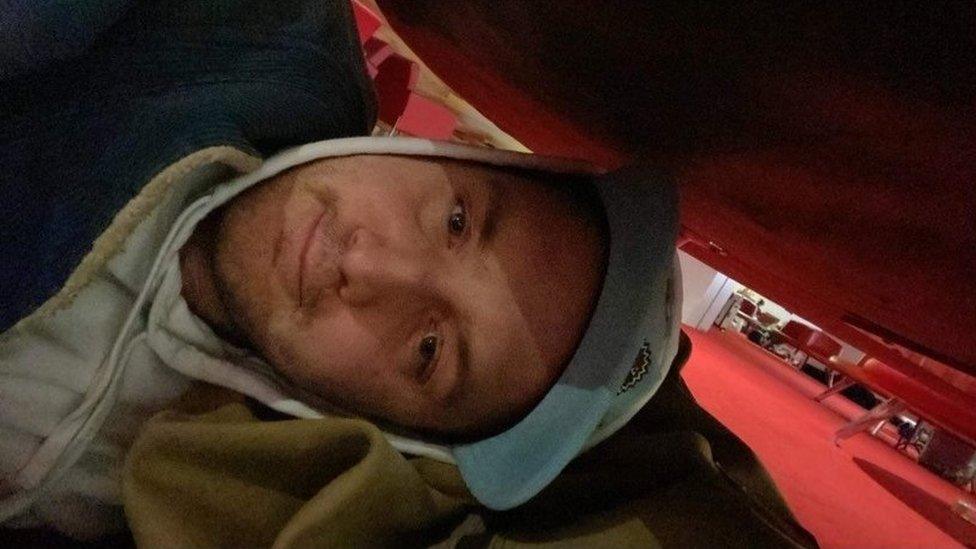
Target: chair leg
(836, 388)
(797, 362)
(879, 413)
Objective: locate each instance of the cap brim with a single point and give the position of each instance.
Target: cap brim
(506, 470)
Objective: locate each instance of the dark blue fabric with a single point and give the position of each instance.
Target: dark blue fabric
(80, 135)
(35, 33)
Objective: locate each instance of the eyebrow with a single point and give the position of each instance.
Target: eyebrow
(490, 222)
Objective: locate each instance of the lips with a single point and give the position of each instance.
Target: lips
(310, 235)
(306, 252)
(318, 258)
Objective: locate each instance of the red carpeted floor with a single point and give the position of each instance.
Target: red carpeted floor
(863, 494)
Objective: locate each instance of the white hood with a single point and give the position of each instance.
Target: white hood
(188, 345)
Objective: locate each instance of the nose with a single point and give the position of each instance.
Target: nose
(378, 269)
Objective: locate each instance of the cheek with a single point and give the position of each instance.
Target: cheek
(244, 253)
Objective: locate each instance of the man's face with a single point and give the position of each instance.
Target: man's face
(437, 295)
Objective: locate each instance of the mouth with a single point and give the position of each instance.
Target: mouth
(318, 258)
(310, 235)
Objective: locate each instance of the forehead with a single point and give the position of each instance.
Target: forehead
(553, 257)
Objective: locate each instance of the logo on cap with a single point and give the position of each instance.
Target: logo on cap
(639, 369)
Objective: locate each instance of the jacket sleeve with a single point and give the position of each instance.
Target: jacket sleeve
(226, 479)
(230, 477)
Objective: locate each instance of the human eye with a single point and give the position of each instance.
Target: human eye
(428, 351)
(457, 221)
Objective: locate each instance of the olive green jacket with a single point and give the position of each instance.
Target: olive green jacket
(226, 474)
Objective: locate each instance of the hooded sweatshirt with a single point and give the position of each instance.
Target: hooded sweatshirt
(110, 141)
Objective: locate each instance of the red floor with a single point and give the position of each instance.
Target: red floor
(863, 494)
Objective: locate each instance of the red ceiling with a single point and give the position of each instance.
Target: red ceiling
(829, 152)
